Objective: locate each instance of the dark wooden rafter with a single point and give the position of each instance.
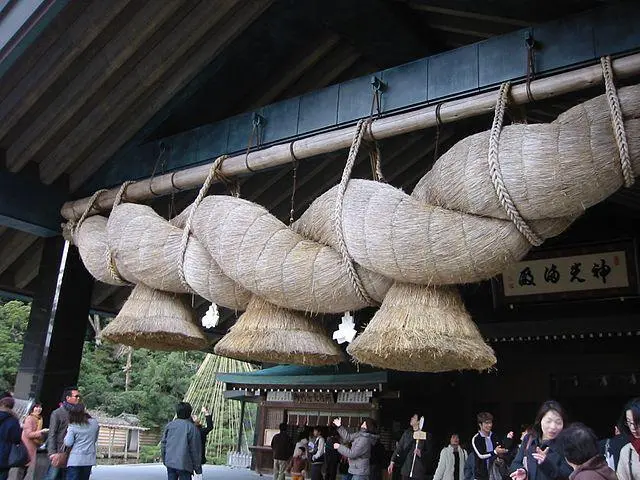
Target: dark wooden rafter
(29, 266)
(498, 21)
(13, 244)
(35, 82)
(114, 61)
(163, 70)
(214, 34)
(301, 61)
(326, 71)
(371, 26)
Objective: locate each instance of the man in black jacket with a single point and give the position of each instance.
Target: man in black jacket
(486, 446)
(282, 451)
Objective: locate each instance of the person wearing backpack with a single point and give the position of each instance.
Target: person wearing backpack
(10, 433)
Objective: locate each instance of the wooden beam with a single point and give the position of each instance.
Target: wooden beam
(27, 205)
(113, 60)
(218, 33)
(21, 67)
(164, 57)
(30, 266)
(462, 31)
(14, 244)
(284, 77)
(383, 127)
(471, 15)
(75, 40)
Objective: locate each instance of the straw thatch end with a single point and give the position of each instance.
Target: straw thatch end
(156, 320)
(267, 333)
(422, 329)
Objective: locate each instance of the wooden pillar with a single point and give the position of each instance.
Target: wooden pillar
(113, 432)
(241, 430)
(57, 326)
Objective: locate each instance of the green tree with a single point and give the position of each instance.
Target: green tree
(14, 317)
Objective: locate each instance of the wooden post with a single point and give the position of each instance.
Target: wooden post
(138, 445)
(239, 449)
(113, 432)
(384, 127)
(126, 444)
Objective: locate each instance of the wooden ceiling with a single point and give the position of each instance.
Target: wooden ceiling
(105, 75)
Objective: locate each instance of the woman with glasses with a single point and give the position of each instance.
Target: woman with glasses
(541, 456)
(629, 462)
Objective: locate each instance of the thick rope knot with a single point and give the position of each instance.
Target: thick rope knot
(617, 121)
(496, 174)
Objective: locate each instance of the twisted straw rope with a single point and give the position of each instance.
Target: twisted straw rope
(90, 205)
(496, 174)
(355, 279)
(617, 121)
(111, 263)
(214, 173)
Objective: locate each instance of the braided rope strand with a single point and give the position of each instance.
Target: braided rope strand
(111, 263)
(214, 173)
(617, 121)
(355, 279)
(496, 174)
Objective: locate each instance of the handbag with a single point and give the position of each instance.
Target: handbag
(18, 454)
(59, 460)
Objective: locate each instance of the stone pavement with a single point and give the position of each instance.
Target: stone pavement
(158, 472)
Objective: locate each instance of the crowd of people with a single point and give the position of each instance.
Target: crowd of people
(70, 439)
(551, 449)
(72, 436)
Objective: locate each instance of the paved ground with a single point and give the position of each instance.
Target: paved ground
(158, 472)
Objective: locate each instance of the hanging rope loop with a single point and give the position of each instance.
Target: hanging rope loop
(617, 121)
(496, 174)
(215, 173)
(347, 261)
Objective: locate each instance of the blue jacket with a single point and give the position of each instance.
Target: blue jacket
(181, 446)
(82, 439)
(10, 434)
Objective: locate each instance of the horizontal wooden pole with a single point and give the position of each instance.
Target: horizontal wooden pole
(384, 127)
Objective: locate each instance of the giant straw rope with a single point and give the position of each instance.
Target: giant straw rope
(480, 208)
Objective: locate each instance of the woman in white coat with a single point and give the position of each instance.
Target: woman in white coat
(452, 460)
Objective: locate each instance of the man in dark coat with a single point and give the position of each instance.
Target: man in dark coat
(282, 450)
(180, 446)
(58, 423)
(10, 432)
(408, 448)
